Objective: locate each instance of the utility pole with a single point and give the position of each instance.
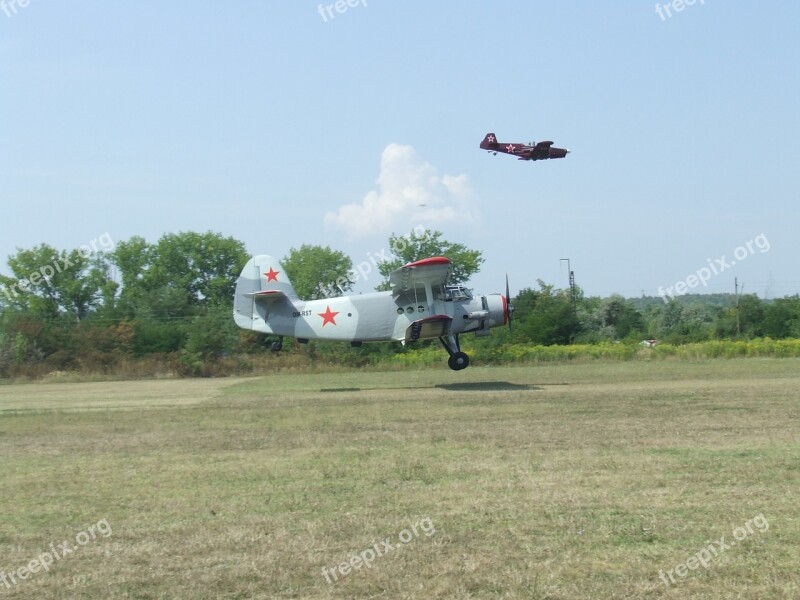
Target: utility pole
(736, 293)
(571, 285)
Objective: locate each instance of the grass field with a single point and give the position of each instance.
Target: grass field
(601, 480)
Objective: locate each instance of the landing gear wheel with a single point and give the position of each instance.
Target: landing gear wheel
(458, 361)
(277, 346)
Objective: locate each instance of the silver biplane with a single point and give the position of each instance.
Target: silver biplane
(419, 306)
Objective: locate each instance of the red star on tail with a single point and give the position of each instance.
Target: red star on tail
(272, 275)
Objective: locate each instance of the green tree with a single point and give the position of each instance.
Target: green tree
(593, 325)
(745, 319)
(751, 315)
(203, 265)
(685, 320)
(168, 287)
(318, 272)
(212, 334)
(188, 269)
(50, 284)
(425, 244)
(622, 316)
(782, 318)
(545, 316)
(132, 259)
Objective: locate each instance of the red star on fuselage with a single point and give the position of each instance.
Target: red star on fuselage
(328, 316)
(510, 148)
(272, 275)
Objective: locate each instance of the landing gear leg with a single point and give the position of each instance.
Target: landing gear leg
(458, 360)
(277, 346)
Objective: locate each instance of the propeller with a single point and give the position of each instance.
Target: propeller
(509, 307)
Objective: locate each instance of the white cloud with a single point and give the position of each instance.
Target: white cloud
(410, 193)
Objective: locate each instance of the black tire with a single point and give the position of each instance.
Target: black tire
(458, 361)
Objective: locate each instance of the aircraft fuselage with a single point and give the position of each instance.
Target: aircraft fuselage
(372, 317)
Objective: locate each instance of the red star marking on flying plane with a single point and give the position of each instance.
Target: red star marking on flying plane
(328, 316)
(510, 148)
(272, 275)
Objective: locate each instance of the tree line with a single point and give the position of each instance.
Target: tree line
(103, 309)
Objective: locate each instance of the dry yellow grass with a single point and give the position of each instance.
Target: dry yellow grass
(562, 481)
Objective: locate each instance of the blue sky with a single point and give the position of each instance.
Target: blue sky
(278, 125)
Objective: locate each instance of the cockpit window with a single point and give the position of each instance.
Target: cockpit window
(456, 292)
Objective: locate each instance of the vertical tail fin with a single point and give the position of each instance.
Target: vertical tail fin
(261, 273)
(489, 141)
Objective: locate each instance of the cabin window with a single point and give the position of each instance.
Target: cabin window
(455, 292)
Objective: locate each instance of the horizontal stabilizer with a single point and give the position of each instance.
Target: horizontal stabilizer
(266, 295)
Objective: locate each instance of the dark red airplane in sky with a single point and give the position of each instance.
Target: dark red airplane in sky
(531, 151)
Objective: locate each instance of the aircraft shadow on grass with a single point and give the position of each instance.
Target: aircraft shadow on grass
(487, 386)
(474, 386)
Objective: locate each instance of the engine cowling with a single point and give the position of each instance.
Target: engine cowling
(491, 310)
(497, 307)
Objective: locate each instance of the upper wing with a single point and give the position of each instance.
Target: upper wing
(428, 271)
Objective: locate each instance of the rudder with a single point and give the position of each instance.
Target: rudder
(261, 273)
